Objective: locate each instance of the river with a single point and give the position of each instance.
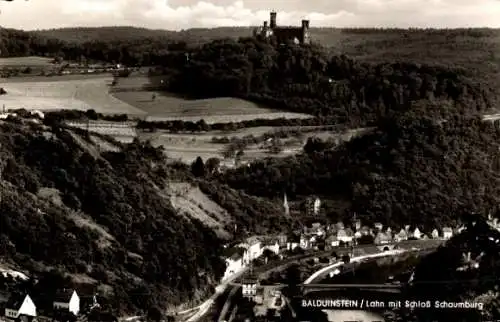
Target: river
(386, 267)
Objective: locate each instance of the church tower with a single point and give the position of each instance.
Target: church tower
(285, 205)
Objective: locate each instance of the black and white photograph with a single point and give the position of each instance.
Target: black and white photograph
(249, 161)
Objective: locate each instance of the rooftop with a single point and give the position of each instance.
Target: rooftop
(63, 295)
(15, 300)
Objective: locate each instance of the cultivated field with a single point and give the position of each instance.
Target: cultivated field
(31, 61)
(81, 94)
(124, 132)
(187, 147)
(170, 107)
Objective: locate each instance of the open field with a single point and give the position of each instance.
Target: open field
(170, 107)
(80, 94)
(215, 110)
(195, 204)
(31, 61)
(187, 147)
(55, 78)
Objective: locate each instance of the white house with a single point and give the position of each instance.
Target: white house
(249, 287)
(20, 305)
(357, 225)
(253, 249)
(292, 245)
(378, 226)
(67, 300)
(332, 241)
(234, 264)
(435, 234)
(343, 236)
(402, 235)
(293, 241)
(382, 238)
(313, 205)
(417, 233)
(272, 246)
(365, 231)
(304, 242)
(447, 232)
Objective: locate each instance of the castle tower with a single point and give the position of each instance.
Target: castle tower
(306, 38)
(272, 19)
(285, 205)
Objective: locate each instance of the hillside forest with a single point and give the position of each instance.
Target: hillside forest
(105, 216)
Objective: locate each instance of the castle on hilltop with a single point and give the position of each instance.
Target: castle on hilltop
(298, 35)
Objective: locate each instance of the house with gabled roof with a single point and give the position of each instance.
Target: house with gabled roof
(20, 305)
(382, 238)
(68, 300)
(234, 261)
(305, 242)
(293, 241)
(365, 231)
(417, 234)
(342, 236)
(332, 241)
(402, 235)
(447, 232)
(357, 225)
(272, 245)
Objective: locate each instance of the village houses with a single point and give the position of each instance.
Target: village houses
(402, 235)
(382, 238)
(447, 232)
(68, 300)
(234, 263)
(344, 236)
(253, 249)
(417, 234)
(20, 306)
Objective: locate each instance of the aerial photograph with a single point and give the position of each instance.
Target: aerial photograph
(249, 161)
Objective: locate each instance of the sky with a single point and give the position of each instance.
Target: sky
(184, 14)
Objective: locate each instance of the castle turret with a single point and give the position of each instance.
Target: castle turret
(272, 19)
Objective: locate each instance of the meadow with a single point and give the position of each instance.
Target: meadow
(30, 61)
(80, 93)
(165, 106)
(186, 147)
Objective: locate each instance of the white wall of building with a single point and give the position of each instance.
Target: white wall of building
(233, 267)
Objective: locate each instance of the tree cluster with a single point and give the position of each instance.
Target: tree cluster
(307, 79)
(410, 170)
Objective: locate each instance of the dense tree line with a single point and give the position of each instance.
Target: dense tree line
(180, 125)
(411, 169)
(307, 79)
